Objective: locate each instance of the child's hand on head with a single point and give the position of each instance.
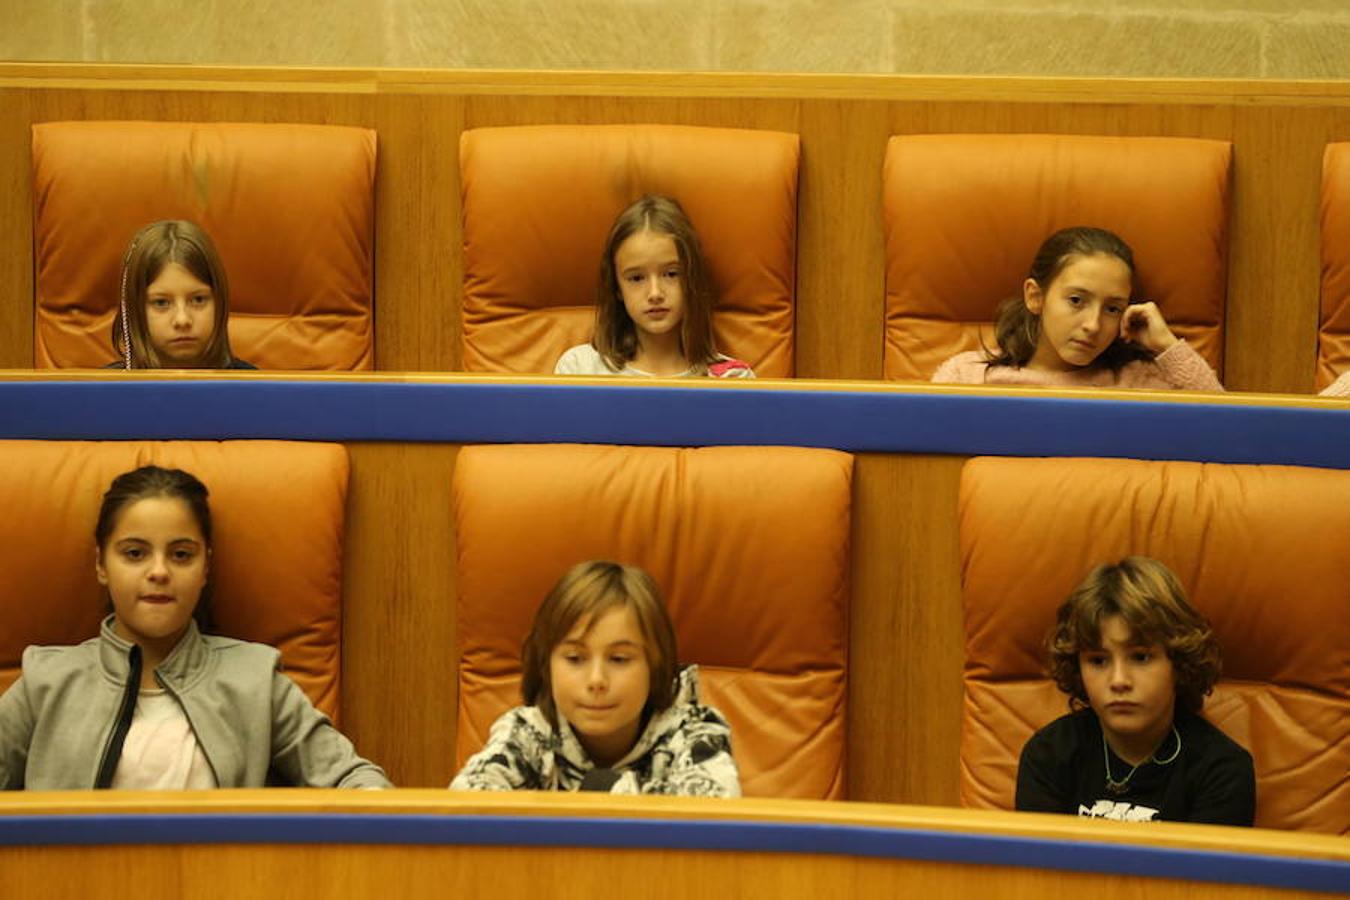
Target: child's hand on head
(1143, 324)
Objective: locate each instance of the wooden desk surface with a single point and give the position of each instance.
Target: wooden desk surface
(353, 843)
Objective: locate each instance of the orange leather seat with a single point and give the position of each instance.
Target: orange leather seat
(1333, 338)
(539, 202)
(749, 546)
(291, 208)
(278, 515)
(1261, 551)
(965, 214)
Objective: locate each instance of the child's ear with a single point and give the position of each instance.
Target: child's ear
(1033, 296)
(100, 572)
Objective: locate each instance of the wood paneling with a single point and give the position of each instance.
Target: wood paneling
(233, 872)
(1278, 128)
(841, 266)
(400, 652)
(279, 869)
(418, 258)
(16, 232)
(906, 642)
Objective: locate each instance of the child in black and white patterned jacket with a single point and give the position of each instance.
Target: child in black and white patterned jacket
(606, 708)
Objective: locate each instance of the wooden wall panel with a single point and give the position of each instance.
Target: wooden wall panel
(1275, 263)
(1278, 130)
(906, 641)
(16, 232)
(400, 650)
(841, 262)
(418, 240)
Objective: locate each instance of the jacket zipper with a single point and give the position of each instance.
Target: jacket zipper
(112, 753)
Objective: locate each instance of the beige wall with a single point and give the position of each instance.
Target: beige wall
(1166, 38)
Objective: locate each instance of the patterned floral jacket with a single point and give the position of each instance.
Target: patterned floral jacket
(685, 750)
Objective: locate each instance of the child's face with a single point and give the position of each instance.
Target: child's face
(154, 567)
(1080, 311)
(651, 280)
(601, 679)
(1131, 686)
(180, 315)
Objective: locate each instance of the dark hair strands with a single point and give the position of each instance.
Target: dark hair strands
(154, 481)
(1017, 330)
(1151, 601)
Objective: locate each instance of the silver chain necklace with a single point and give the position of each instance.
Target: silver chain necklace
(1116, 788)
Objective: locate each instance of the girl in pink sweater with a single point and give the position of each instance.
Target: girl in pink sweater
(1075, 325)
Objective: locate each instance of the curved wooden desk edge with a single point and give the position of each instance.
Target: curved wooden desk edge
(419, 817)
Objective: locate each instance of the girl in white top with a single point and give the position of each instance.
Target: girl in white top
(1075, 324)
(653, 308)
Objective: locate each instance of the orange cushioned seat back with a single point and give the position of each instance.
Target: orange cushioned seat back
(277, 511)
(1333, 344)
(539, 202)
(750, 546)
(965, 214)
(1261, 552)
(290, 208)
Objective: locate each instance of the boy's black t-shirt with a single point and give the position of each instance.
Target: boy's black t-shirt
(1211, 780)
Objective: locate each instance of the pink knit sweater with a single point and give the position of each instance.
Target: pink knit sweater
(1339, 388)
(1179, 367)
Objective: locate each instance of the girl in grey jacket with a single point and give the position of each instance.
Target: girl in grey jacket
(152, 702)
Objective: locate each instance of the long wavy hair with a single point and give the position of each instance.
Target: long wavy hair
(616, 337)
(1017, 330)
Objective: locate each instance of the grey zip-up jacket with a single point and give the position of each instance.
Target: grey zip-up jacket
(57, 720)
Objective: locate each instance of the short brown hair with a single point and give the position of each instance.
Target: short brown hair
(615, 337)
(586, 591)
(151, 249)
(1151, 600)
